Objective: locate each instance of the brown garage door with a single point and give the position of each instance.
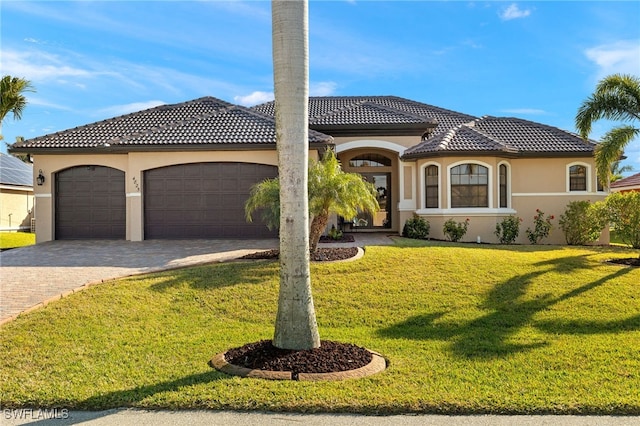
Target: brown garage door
(90, 203)
(202, 200)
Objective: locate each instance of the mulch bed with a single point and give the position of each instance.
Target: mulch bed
(321, 254)
(346, 238)
(629, 261)
(330, 357)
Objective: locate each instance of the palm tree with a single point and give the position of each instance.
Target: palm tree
(331, 191)
(296, 326)
(617, 97)
(617, 170)
(12, 97)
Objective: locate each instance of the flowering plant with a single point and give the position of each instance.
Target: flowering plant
(542, 227)
(507, 231)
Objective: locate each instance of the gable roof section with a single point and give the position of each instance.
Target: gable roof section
(207, 123)
(630, 182)
(15, 172)
(503, 135)
(348, 115)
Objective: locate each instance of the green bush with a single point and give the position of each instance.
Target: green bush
(542, 227)
(507, 231)
(622, 210)
(334, 233)
(454, 231)
(581, 223)
(416, 228)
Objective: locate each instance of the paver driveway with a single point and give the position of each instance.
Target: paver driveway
(31, 276)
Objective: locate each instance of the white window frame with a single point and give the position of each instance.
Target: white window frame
(423, 185)
(587, 177)
(508, 166)
(490, 184)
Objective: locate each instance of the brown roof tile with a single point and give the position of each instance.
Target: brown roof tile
(633, 181)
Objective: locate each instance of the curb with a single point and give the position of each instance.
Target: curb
(377, 364)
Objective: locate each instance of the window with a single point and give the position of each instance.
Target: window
(469, 186)
(432, 183)
(577, 178)
(503, 186)
(370, 160)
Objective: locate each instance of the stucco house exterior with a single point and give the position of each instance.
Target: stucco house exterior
(628, 184)
(185, 170)
(16, 194)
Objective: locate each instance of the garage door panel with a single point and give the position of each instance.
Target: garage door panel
(203, 200)
(90, 203)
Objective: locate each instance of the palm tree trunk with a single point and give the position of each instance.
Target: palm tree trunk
(296, 326)
(318, 225)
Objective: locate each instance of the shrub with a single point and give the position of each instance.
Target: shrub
(581, 223)
(416, 228)
(454, 231)
(542, 227)
(622, 210)
(334, 233)
(507, 231)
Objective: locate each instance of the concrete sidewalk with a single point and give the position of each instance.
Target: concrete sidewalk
(129, 417)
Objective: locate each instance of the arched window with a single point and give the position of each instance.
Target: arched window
(503, 187)
(469, 186)
(577, 178)
(431, 179)
(370, 160)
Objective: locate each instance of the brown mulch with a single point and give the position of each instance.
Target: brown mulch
(321, 254)
(629, 261)
(330, 357)
(345, 238)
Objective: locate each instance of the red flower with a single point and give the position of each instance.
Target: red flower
(551, 217)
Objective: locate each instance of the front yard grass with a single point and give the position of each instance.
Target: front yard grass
(10, 240)
(466, 329)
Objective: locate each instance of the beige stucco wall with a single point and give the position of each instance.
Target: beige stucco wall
(535, 183)
(133, 164)
(16, 208)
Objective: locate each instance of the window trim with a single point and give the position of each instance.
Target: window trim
(423, 179)
(508, 183)
(587, 177)
(490, 183)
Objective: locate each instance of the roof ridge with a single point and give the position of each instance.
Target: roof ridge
(493, 138)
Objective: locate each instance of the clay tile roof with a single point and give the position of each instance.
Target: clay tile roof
(206, 121)
(630, 181)
(510, 135)
(367, 111)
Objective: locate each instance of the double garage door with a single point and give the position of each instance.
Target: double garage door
(201, 200)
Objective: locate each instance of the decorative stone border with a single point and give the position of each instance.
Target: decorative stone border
(377, 364)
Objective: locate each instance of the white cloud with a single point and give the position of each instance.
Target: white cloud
(254, 98)
(514, 12)
(323, 88)
(39, 65)
(622, 57)
(116, 110)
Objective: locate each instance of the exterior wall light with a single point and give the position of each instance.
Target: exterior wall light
(40, 178)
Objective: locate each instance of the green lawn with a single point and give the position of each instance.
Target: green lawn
(16, 239)
(465, 328)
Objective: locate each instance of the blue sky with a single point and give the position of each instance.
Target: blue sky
(93, 60)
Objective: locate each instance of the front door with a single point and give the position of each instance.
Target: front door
(382, 219)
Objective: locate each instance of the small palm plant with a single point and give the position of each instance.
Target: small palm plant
(331, 190)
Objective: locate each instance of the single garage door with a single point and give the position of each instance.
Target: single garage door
(203, 200)
(90, 203)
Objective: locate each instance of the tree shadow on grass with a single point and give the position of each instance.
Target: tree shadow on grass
(493, 334)
(221, 275)
(131, 397)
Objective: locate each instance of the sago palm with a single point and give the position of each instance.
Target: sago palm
(617, 97)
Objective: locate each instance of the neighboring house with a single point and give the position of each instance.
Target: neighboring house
(16, 194)
(185, 170)
(628, 184)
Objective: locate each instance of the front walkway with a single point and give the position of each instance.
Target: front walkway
(32, 276)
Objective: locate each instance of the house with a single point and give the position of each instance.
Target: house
(628, 184)
(16, 194)
(185, 170)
